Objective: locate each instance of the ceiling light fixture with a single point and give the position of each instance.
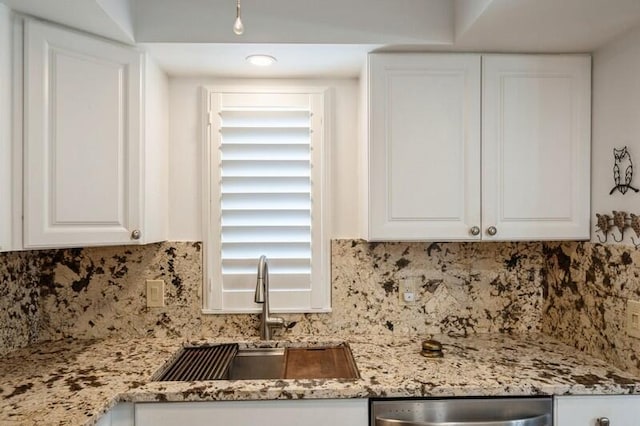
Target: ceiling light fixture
(261, 60)
(238, 28)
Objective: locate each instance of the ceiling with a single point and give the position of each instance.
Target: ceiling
(313, 38)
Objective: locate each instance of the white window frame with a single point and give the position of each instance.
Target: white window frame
(212, 275)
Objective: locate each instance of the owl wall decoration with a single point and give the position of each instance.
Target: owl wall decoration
(622, 171)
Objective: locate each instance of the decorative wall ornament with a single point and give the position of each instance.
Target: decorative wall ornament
(621, 221)
(604, 225)
(622, 171)
(635, 225)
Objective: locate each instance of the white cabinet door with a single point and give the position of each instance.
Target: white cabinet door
(82, 139)
(319, 412)
(120, 415)
(536, 121)
(425, 164)
(424, 146)
(623, 410)
(6, 149)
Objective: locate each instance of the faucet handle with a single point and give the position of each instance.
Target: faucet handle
(276, 322)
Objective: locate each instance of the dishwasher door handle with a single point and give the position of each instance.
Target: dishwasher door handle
(543, 420)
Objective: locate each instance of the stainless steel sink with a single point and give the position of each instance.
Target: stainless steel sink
(230, 362)
(259, 363)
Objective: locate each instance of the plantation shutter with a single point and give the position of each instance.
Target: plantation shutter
(267, 197)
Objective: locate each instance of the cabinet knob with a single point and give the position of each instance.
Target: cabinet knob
(603, 421)
(475, 231)
(492, 230)
(136, 234)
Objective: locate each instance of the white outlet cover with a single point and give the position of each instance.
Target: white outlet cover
(155, 293)
(633, 318)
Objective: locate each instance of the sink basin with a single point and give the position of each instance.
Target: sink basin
(259, 363)
(229, 362)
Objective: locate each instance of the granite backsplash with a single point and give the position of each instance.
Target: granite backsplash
(587, 288)
(573, 291)
(19, 300)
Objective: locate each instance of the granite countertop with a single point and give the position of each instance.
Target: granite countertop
(73, 382)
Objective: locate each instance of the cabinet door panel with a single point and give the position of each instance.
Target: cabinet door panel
(82, 139)
(623, 410)
(335, 412)
(86, 141)
(536, 146)
(424, 146)
(6, 151)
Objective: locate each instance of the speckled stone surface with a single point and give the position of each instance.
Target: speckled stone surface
(73, 382)
(19, 301)
(573, 291)
(588, 288)
(462, 288)
(99, 292)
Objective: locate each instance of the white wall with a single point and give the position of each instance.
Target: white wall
(185, 203)
(156, 145)
(616, 123)
(5, 127)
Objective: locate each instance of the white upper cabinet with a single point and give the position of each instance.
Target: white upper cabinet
(424, 146)
(433, 174)
(87, 178)
(6, 151)
(536, 133)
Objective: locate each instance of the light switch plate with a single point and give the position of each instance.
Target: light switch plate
(155, 293)
(633, 318)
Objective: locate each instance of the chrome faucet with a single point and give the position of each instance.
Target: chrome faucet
(267, 322)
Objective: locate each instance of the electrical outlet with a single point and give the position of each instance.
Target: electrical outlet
(407, 290)
(633, 318)
(155, 293)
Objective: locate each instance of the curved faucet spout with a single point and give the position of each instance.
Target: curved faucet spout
(267, 322)
(263, 274)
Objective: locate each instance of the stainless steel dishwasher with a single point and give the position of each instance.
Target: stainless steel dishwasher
(462, 412)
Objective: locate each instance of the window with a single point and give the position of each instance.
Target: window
(264, 168)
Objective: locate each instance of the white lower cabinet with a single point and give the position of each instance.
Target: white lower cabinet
(120, 415)
(317, 412)
(620, 410)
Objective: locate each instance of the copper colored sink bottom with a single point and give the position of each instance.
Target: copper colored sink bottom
(320, 363)
(323, 362)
